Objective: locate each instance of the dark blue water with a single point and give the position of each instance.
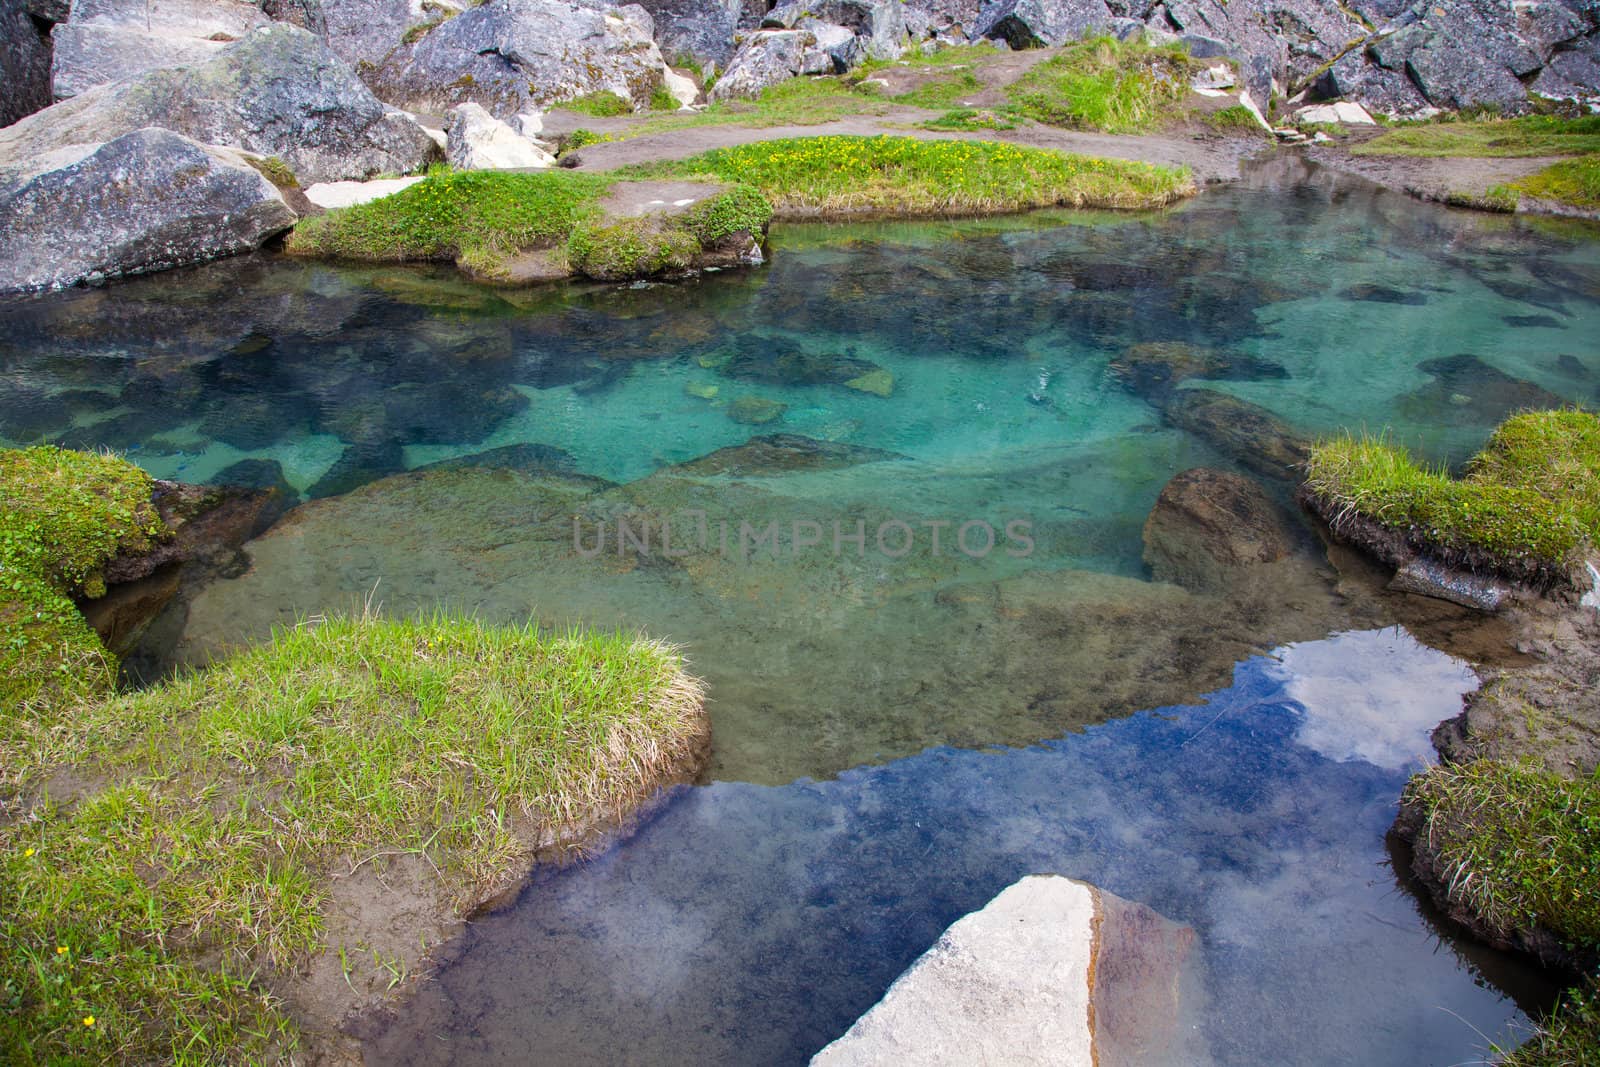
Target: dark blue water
(747, 924)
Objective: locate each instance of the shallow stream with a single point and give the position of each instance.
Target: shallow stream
(901, 729)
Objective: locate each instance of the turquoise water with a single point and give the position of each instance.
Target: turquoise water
(930, 724)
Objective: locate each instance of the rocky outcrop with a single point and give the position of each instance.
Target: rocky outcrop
(144, 201)
(769, 57)
(278, 92)
(878, 26)
(363, 32)
(1051, 971)
(517, 55)
(24, 63)
(1206, 524)
(479, 141)
(1042, 23)
(106, 40)
(702, 30)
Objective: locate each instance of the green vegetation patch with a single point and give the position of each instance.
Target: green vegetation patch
(1532, 135)
(1238, 118)
(739, 209)
(971, 119)
(906, 176)
(63, 516)
(1517, 847)
(1575, 182)
(1528, 507)
(451, 214)
(214, 810)
(1101, 83)
(601, 105)
(1568, 1037)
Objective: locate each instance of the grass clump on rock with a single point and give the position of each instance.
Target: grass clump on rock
(1516, 848)
(1528, 508)
(630, 248)
(886, 175)
(217, 809)
(63, 516)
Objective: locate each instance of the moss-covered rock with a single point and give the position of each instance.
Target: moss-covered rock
(631, 248)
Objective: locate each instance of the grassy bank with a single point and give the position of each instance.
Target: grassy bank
(63, 515)
(1528, 507)
(208, 818)
(483, 219)
(1575, 182)
(1107, 85)
(1533, 135)
(841, 176)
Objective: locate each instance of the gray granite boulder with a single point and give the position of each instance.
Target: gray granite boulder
(147, 200)
(277, 92)
(24, 63)
(880, 24)
(768, 57)
(1042, 23)
(363, 32)
(701, 30)
(511, 56)
(106, 40)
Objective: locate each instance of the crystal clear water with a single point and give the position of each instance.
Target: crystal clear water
(860, 698)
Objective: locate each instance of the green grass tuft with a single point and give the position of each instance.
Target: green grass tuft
(741, 208)
(630, 248)
(1518, 847)
(215, 809)
(969, 119)
(600, 105)
(1568, 1037)
(1104, 84)
(1528, 507)
(1239, 118)
(1575, 182)
(906, 176)
(1533, 135)
(451, 214)
(63, 515)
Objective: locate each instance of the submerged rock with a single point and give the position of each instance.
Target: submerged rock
(1239, 429)
(756, 410)
(1383, 294)
(1051, 971)
(277, 92)
(358, 465)
(784, 453)
(512, 56)
(1155, 368)
(144, 201)
(774, 361)
(1430, 577)
(1208, 523)
(1477, 391)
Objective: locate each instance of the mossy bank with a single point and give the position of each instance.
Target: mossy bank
(221, 867)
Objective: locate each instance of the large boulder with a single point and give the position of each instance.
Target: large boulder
(106, 40)
(363, 32)
(1207, 524)
(1245, 432)
(512, 56)
(1051, 971)
(701, 30)
(880, 24)
(769, 57)
(24, 63)
(277, 92)
(1042, 23)
(147, 200)
(479, 141)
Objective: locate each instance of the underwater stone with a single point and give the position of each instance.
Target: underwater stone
(1246, 432)
(785, 453)
(756, 410)
(1206, 523)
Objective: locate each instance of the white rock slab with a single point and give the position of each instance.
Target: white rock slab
(476, 140)
(329, 195)
(1344, 112)
(1009, 984)
(683, 89)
